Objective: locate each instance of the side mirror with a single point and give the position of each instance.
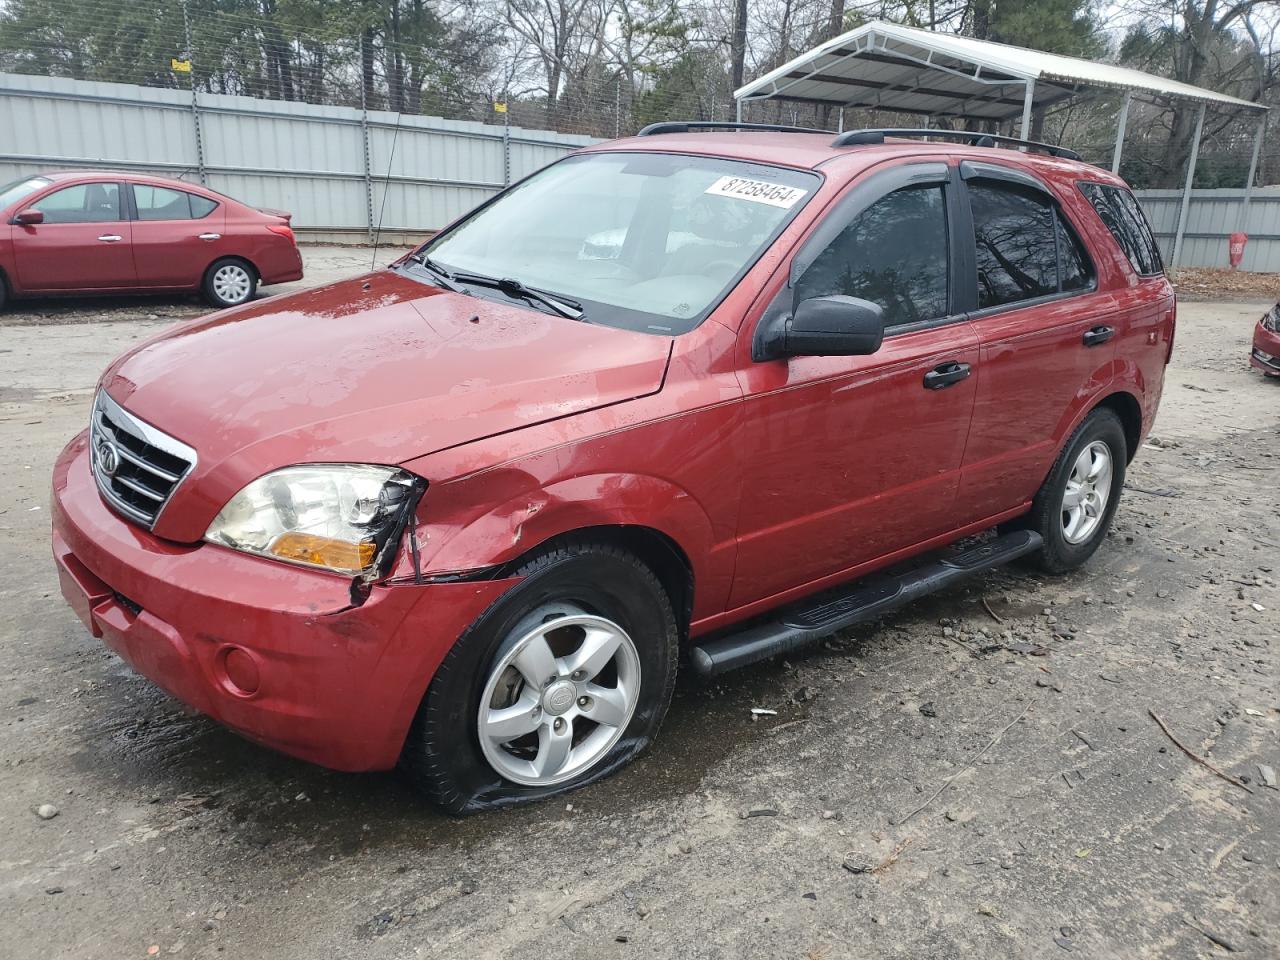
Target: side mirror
(29, 217)
(834, 326)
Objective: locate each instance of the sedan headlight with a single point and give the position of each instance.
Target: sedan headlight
(339, 517)
(1271, 319)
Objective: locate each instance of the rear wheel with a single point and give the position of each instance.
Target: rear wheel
(1074, 508)
(230, 282)
(561, 682)
(4, 292)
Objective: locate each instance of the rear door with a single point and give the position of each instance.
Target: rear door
(83, 243)
(1046, 332)
(176, 235)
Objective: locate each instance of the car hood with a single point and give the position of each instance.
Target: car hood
(377, 369)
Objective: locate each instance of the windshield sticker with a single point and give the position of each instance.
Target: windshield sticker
(757, 191)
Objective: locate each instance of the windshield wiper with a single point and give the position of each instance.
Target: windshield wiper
(443, 276)
(518, 291)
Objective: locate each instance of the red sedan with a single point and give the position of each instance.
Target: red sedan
(107, 232)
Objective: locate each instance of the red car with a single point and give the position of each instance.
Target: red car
(100, 232)
(683, 397)
(1266, 343)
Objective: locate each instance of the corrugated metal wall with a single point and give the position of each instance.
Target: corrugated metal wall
(311, 160)
(1211, 218)
(294, 156)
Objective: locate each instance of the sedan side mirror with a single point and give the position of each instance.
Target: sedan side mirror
(834, 326)
(29, 217)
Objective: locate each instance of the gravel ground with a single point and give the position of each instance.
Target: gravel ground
(1054, 815)
(1204, 283)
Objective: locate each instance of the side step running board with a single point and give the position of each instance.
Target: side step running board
(801, 625)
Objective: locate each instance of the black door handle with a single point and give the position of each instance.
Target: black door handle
(944, 375)
(1098, 335)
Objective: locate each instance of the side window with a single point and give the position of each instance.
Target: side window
(894, 254)
(1119, 210)
(161, 203)
(1017, 247)
(83, 203)
(201, 206)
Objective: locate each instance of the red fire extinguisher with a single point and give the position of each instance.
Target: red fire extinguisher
(1235, 248)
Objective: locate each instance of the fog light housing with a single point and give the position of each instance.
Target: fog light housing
(240, 671)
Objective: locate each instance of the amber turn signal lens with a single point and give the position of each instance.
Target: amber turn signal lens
(324, 552)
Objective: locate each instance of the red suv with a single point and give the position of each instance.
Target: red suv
(107, 232)
(686, 396)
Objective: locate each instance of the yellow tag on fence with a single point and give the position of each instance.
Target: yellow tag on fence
(180, 66)
(499, 108)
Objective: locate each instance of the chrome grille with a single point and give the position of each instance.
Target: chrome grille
(136, 466)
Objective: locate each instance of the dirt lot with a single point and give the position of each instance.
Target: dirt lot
(1068, 823)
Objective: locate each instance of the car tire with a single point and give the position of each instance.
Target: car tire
(4, 292)
(576, 597)
(1074, 507)
(230, 282)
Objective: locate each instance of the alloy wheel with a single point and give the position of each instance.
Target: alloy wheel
(560, 698)
(1084, 502)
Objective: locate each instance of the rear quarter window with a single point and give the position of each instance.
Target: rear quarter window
(1123, 216)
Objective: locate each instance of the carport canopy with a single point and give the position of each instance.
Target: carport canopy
(883, 66)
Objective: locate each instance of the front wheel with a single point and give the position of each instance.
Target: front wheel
(230, 282)
(562, 681)
(1074, 507)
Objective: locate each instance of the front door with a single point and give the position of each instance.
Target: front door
(83, 243)
(849, 459)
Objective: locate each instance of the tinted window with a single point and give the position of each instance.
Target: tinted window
(161, 203)
(201, 206)
(83, 203)
(1017, 249)
(1124, 218)
(894, 254)
(1075, 266)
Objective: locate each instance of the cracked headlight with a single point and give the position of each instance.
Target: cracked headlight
(341, 517)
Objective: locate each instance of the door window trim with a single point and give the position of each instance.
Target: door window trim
(121, 211)
(133, 203)
(856, 201)
(991, 171)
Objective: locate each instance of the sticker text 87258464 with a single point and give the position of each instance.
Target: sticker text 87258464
(757, 191)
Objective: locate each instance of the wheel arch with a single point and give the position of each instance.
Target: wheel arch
(655, 549)
(1125, 406)
(247, 261)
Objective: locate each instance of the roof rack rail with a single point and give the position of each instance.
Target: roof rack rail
(854, 138)
(685, 126)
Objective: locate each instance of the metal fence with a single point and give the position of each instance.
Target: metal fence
(340, 171)
(1211, 218)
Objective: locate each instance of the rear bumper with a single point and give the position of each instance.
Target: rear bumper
(276, 653)
(1265, 354)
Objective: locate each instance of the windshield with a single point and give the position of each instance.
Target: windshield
(647, 241)
(15, 190)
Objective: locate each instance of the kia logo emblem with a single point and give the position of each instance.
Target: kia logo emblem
(108, 457)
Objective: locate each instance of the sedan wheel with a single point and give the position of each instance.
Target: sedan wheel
(232, 283)
(559, 699)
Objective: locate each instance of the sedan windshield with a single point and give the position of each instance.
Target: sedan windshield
(647, 241)
(15, 190)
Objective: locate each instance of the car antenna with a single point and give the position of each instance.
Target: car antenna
(386, 188)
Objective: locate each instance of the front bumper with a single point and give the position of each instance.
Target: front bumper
(276, 653)
(1265, 354)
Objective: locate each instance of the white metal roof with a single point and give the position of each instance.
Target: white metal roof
(889, 67)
